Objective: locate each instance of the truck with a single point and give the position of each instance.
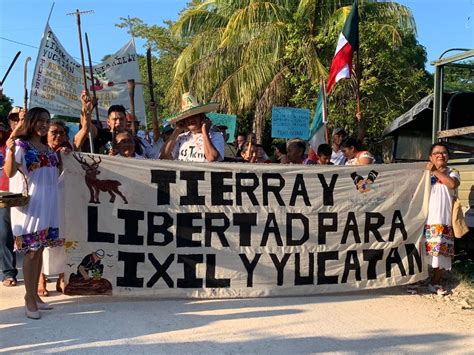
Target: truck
(445, 115)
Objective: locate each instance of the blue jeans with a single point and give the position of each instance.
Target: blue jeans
(7, 255)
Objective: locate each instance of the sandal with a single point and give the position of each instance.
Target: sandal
(60, 283)
(42, 291)
(9, 282)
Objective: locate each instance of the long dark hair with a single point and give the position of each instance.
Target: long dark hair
(28, 127)
(352, 142)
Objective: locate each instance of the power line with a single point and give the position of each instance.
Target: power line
(29, 45)
(23, 44)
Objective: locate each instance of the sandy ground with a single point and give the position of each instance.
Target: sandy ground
(381, 321)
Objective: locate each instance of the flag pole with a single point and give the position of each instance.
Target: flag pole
(50, 12)
(360, 121)
(325, 112)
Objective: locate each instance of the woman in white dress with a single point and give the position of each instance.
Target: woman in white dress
(438, 231)
(35, 225)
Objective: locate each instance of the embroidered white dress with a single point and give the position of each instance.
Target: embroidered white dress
(36, 225)
(438, 229)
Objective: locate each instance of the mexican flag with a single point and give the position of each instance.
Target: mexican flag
(318, 126)
(347, 44)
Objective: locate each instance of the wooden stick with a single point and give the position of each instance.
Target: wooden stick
(25, 84)
(154, 115)
(10, 67)
(78, 16)
(131, 94)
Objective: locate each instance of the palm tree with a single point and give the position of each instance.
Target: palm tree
(242, 52)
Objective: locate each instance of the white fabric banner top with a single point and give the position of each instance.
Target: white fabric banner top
(174, 229)
(58, 80)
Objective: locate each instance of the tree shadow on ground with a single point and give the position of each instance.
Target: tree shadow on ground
(118, 324)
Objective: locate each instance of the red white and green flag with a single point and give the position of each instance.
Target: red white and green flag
(347, 44)
(318, 129)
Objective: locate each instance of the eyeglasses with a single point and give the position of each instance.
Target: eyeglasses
(58, 133)
(440, 153)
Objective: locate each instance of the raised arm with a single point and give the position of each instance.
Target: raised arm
(210, 151)
(154, 122)
(86, 124)
(167, 150)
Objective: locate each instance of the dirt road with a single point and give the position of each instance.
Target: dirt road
(388, 320)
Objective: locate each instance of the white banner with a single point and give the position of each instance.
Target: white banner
(173, 229)
(58, 80)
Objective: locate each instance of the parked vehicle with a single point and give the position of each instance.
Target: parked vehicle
(446, 115)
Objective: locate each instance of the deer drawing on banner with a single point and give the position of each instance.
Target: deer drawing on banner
(95, 185)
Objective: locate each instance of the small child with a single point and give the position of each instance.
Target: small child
(125, 146)
(324, 154)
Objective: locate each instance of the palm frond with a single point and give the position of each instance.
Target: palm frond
(249, 21)
(197, 20)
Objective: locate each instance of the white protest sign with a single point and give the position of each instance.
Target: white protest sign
(171, 229)
(58, 80)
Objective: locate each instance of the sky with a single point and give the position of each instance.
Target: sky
(441, 24)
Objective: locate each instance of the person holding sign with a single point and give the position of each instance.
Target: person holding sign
(34, 226)
(438, 229)
(199, 143)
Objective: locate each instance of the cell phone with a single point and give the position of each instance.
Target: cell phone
(109, 146)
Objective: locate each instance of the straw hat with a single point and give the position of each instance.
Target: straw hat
(190, 107)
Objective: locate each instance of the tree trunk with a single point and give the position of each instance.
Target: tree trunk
(259, 125)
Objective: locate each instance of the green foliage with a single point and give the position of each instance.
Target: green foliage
(166, 49)
(252, 55)
(5, 106)
(393, 77)
(459, 78)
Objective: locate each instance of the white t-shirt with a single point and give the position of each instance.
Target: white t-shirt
(441, 200)
(338, 158)
(190, 147)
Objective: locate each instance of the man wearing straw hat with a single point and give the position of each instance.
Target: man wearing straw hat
(193, 140)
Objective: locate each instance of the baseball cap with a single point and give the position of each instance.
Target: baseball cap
(339, 130)
(166, 127)
(15, 110)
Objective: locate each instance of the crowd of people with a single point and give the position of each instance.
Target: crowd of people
(32, 145)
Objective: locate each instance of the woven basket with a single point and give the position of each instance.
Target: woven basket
(15, 200)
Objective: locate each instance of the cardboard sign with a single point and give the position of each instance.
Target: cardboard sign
(289, 122)
(225, 120)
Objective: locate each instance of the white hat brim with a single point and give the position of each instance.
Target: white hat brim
(194, 111)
